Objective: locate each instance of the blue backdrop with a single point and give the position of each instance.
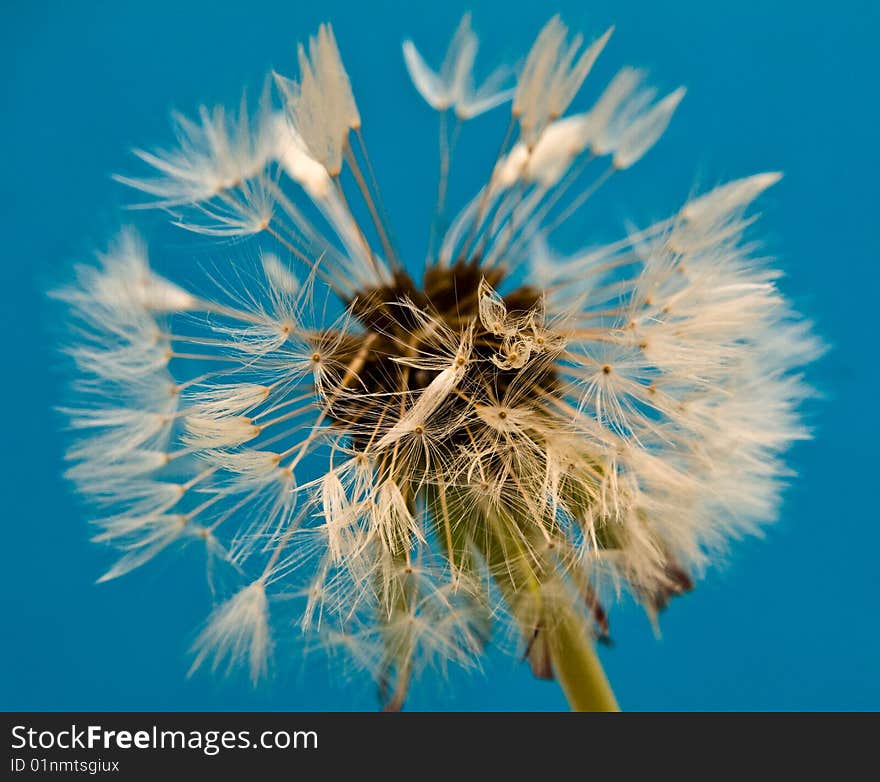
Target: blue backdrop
(789, 622)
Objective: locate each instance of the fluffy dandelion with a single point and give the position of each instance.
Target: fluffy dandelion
(422, 461)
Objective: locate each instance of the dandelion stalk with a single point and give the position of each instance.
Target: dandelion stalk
(567, 651)
(578, 669)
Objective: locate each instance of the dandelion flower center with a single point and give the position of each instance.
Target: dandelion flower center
(402, 322)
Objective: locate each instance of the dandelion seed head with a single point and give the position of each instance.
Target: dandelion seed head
(423, 461)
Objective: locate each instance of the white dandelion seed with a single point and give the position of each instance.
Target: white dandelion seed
(551, 77)
(238, 630)
(452, 86)
(496, 444)
(321, 105)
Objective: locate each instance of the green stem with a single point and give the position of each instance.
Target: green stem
(578, 670)
(505, 549)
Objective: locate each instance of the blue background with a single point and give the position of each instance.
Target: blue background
(789, 622)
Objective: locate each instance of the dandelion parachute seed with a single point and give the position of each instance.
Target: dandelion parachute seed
(508, 437)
